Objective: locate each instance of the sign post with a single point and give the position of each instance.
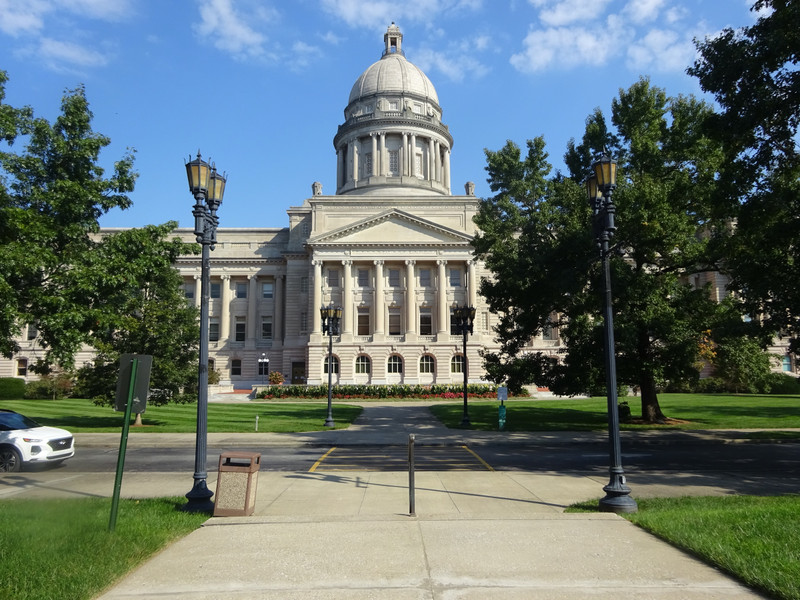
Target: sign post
(132, 389)
(502, 395)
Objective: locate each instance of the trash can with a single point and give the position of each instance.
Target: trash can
(237, 481)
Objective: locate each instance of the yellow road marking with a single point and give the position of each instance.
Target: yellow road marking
(480, 460)
(321, 458)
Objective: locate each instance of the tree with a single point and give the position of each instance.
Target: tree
(536, 238)
(753, 74)
(51, 197)
(133, 270)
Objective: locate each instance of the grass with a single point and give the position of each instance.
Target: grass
(61, 548)
(691, 411)
(81, 416)
(756, 539)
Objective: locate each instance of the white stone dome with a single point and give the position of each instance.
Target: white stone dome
(393, 74)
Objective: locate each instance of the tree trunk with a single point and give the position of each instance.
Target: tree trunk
(138, 421)
(651, 411)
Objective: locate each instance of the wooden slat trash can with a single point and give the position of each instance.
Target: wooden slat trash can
(237, 481)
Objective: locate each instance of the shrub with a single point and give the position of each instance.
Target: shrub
(276, 378)
(781, 383)
(214, 377)
(475, 390)
(50, 386)
(11, 388)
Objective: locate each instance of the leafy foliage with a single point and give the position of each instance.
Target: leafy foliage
(536, 238)
(476, 390)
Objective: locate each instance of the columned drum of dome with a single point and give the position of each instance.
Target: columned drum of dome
(393, 135)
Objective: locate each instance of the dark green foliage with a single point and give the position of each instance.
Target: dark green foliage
(379, 391)
(536, 238)
(11, 388)
(753, 74)
(51, 386)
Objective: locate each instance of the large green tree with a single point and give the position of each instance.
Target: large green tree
(51, 197)
(133, 270)
(753, 74)
(536, 238)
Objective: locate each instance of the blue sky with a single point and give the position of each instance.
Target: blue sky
(260, 86)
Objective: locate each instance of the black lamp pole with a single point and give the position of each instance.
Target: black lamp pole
(331, 317)
(207, 187)
(600, 186)
(465, 316)
(263, 366)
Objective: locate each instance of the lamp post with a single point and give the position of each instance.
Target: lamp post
(600, 186)
(263, 366)
(331, 317)
(465, 316)
(207, 187)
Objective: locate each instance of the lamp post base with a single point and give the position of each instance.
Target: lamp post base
(618, 499)
(465, 422)
(329, 423)
(199, 498)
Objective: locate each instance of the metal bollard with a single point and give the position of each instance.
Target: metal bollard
(411, 504)
(256, 422)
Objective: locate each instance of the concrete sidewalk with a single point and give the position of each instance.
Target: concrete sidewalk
(331, 535)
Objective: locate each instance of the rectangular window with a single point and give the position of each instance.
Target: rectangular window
(32, 331)
(188, 291)
(363, 278)
(455, 278)
(266, 328)
(394, 322)
(363, 321)
(236, 366)
(216, 290)
(22, 367)
(241, 290)
(425, 278)
(267, 289)
(455, 329)
(240, 329)
(333, 278)
(418, 165)
(394, 162)
(394, 278)
(303, 321)
(425, 321)
(304, 285)
(213, 330)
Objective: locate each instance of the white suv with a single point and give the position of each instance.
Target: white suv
(23, 440)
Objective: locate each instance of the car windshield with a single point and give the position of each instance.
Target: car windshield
(12, 420)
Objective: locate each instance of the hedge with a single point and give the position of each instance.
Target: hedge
(474, 390)
(12, 388)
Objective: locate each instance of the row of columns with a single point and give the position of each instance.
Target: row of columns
(253, 297)
(438, 163)
(348, 303)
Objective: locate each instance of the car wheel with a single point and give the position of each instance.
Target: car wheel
(10, 460)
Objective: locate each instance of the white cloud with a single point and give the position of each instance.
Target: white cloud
(229, 30)
(302, 55)
(331, 38)
(643, 11)
(561, 48)
(557, 13)
(456, 66)
(65, 56)
(379, 14)
(661, 50)
(106, 10)
(22, 17)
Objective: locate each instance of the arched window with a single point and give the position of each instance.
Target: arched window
(427, 364)
(395, 364)
(363, 364)
(334, 361)
(457, 364)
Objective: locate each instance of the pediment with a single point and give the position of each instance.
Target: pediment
(393, 227)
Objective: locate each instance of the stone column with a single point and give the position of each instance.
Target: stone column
(412, 154)
(198, 287)
(277, 313)
(403, 166)
(444, 309)
(347, 301)
(225, 316)
(375, 159)
(339, 168)
(379, 297)
(447, 168)
(438, 151)
(384, 159)
(252, 310)
(317, 297)
(472, 288)
(356, 157)
(411, 298)
(431, 160)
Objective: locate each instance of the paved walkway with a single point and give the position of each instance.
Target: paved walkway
(474, 535)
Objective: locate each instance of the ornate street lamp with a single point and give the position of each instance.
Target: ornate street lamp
(331, 317)
(600, 186)
(465, 317)
(207, 187)
(263, 366)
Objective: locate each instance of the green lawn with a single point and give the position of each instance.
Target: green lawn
(63, 549)
(690, 411)
(80, 416)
